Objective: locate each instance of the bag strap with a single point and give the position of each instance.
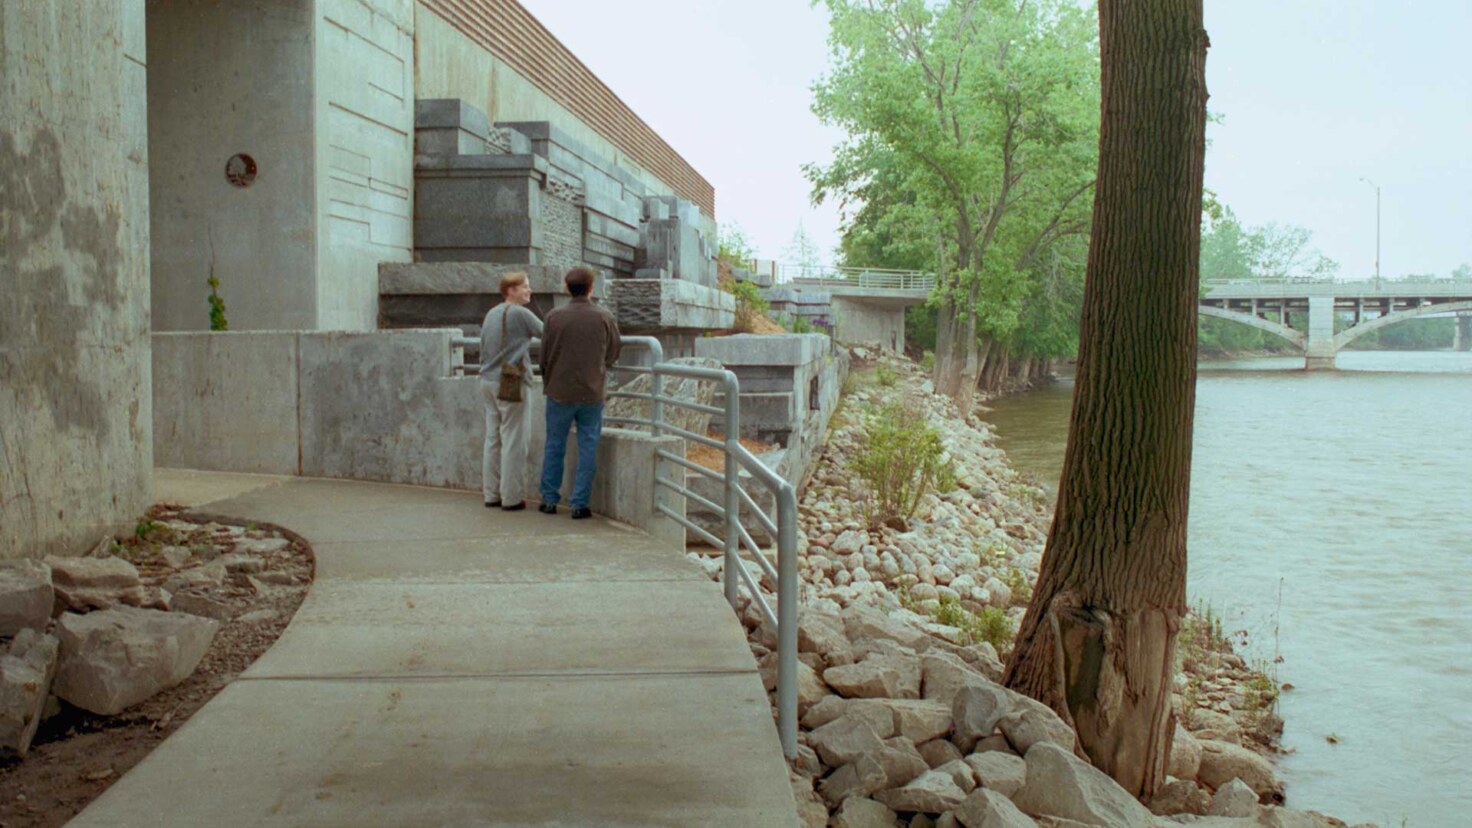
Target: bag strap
(505, 321)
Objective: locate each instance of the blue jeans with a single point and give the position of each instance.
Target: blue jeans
(560, 417)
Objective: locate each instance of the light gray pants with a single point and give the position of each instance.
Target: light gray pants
(504, 460)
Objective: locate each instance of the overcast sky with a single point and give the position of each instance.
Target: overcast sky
(1314, 95)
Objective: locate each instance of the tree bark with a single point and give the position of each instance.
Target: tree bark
(1098, 641)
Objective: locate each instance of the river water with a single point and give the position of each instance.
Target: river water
(1331, 518)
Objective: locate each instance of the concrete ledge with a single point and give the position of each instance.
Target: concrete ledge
(763, 349)
(664, 304)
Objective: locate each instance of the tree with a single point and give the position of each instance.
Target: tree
(1098, 641)
(802, 251)
(971, 126)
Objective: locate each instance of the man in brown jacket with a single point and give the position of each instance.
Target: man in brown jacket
(579, 345)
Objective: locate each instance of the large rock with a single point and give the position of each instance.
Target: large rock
(944, 674)
(113, 659)
(26, 596)
(1001, 772)
(901, 762)
(937, 752)
(682, 388)
(26, 672)
(820, 633)
(919, 720)
(986, 808)
(1185, 755)
(977, 708)
(890, 676)
(844, 740)
(1180, 796)
(1062, 785)
(860, 812)
(810, 688)
(1233, 799)
(932, 792)
(1221, 762)
(94, 583)
(1030, 721)
(860, 777)
(1209, 724)
(861, 622)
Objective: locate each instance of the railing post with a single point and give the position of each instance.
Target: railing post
(787, 619)
(732, 581)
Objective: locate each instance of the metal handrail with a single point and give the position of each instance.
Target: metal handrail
(736, 537)
(863, 277)
(734, 570)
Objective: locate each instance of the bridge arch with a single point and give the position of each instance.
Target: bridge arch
(1298, 338)
(1349, 335)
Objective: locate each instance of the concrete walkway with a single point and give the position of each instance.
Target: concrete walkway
(458, 666)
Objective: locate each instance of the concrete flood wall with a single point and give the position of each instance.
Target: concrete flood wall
(379, 406)
(75, 435)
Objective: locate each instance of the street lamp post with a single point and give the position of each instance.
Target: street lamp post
(1377, 229)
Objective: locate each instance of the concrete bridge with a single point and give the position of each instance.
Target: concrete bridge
(862, 305)
(1304, 312)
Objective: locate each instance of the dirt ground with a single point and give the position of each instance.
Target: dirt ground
(77, 755)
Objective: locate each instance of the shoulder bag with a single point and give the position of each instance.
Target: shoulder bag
(511, 372)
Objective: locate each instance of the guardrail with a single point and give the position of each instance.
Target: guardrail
(735, 572)
(863, 277)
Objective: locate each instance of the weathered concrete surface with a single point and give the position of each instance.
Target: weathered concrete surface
(75, 427)
(226, 79)
(460, 666)
(865, 322)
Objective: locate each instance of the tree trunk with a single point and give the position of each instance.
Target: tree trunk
(957, 356)
(1098, 641)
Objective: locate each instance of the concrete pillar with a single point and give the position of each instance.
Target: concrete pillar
(75, 421)
(1320, 349)
(1463, 341)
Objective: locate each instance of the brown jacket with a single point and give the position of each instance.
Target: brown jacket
(579, 345)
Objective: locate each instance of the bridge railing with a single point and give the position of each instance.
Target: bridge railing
(863, 277)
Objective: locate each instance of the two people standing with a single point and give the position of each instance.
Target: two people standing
(580, 342)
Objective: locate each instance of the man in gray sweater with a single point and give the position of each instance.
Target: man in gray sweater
(580, 342)
(505, 337)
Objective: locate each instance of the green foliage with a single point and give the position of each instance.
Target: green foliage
(901, 459)
(990, 625)
(218, 322)
(972, 140)
(1411, 335)
(798, 324)
(885, 376)
(144, 528)
(1016, 581)
(927, 361)
(749, 304)
(731, 245)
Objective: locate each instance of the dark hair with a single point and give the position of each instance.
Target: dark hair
(580, 281)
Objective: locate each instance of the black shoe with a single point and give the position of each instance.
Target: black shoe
(514, 507)
(547, 508)
(581, 514)
(493, 504)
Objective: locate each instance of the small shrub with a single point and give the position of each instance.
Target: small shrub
(927, 361)
(801, 325)
(990, 625)
(749, 304)
(218, 322)
(885, 376)
(901, 460)
(1016, 580)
